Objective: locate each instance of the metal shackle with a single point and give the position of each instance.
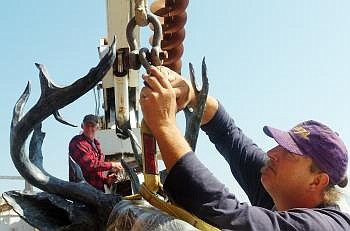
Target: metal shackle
(157, 36)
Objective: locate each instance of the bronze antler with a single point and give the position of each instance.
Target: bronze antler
(194, 115)
(53, 98)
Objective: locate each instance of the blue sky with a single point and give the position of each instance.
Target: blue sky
(269, 62)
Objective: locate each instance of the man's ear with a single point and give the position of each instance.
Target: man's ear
(82, 125)
(320, 181)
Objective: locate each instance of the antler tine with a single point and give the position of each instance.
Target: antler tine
(17, 110)
(46, 83)
(76, 169)
(193, 78)
(47, 86)
(35, 153)
(53, 98)
(194, 116)
(136, 148)
(58, 97)
(205, 80)
(135, 182)
(60, 119)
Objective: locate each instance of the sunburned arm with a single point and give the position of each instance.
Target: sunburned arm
(210, 110)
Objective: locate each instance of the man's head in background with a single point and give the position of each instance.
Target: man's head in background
(90, 126)
(303, 170)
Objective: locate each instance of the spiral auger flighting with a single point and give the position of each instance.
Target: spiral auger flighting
(172, 14)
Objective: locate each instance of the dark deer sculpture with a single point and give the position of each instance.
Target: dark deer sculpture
(77, 205)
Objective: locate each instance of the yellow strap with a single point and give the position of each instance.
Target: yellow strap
(174, 210)
(133, 197)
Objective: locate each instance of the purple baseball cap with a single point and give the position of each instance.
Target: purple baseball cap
(318, 141)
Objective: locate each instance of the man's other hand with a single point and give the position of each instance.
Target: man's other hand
(116, 167)
(111, 178)
(182, 87)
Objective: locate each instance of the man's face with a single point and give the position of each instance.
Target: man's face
(286, 175)
(89, 129)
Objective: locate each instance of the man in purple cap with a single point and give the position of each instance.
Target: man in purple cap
(292, 187)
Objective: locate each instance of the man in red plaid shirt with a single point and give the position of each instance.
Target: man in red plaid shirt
(86, 152)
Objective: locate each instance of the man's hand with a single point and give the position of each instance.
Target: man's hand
(182, 87)
(116, 167)
(158, 104)
(111, 178)
(158, 101)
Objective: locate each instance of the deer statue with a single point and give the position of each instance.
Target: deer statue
(77, 205)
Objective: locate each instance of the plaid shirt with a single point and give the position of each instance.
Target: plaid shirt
(87, 154)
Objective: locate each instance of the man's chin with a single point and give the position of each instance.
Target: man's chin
(266, 175)
(265, 181)
(264, 170)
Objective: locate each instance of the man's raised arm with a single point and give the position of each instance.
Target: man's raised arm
(244, 157)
